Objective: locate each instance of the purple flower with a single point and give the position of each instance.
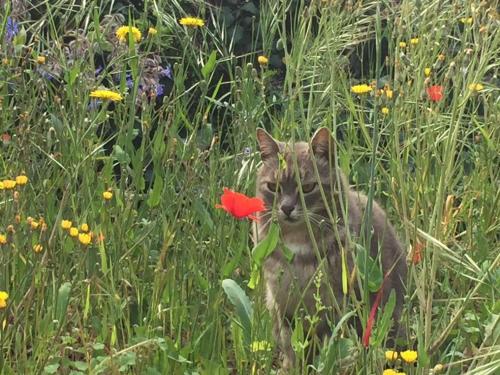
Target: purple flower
(160, 89)
(167, 72)
(12, 29)
(129, 81)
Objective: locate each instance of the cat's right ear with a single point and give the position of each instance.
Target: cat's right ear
(267, 145)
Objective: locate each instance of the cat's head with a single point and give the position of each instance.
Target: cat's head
(280, 187)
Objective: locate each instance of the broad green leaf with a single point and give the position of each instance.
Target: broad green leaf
(51, 369)
(383, 324)
(62, 301)
(370, 269)
(242, 305)
(155, 194)
(265, 247)
(209, 65)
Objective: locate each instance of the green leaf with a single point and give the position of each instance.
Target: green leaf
(370, 270)
(155, 194)
(265, 247)
(384, 323)
(62, 301)
(51, 369)
(209, 65)
(243, 306)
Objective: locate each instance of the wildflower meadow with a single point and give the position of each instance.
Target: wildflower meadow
(128, 160)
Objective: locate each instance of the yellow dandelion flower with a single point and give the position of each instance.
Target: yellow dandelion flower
(84, 227)
(34, 224)
(476, 87)
(441, 57)
(402, 44)
(427, 72)
(262, 60)
(389, 371)
(73, 232)
(66, 224)
(21, 180)
(389, 93)
(467, 20)
(106, 95)
(37, 248)
(84, 238)
(409, 356)
(361, 89)
(29, 219)
(385, 110)
(3, 239)
(4, 296)
(192, 22)
(107, 195)
(414, 41)
(123, 31)
(9, 184)
(152, 31)
(2, 185)
(391, 355)
(40, 59)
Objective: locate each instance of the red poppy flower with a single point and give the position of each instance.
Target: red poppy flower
(239, 205)
(435, 92)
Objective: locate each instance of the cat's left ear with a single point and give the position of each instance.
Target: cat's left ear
(323, 144)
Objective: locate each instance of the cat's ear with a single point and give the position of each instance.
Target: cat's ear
(267, 145)
(323, 144)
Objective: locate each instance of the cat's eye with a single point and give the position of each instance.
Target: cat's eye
(272, 186)
(307, 188)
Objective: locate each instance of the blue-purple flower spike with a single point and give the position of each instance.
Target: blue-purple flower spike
(12, 29)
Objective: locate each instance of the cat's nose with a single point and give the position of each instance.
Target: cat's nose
(287, 209)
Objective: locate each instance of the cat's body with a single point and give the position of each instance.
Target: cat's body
(290, 286)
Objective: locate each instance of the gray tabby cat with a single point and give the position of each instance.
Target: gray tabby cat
(290, 286)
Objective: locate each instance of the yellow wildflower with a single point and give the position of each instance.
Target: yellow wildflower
(414, 41)
(402, 44)
(34, 224)
(385, 110)
(4, 296)
(29, 219)
(192, 22)
(84, 227)
(9, 184)
(441, 57)
(3, 239)
(40, 59)
(466, 20)
(263, 60)
(476, 87)
(361, 89)
(2, 185)
(123, 31)
(260, 346)
(84, 238)
(21, 180)
(389, 93)
(66, 224)
(409, 356)
(106, 95)
(152, 31)
(427, 72)
(389, 371)
(73, 232)
(391, 355)
(37, 248)
(107, 195)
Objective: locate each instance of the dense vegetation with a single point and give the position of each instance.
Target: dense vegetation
(122, 122)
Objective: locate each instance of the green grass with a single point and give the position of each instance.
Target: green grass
(148, 298)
